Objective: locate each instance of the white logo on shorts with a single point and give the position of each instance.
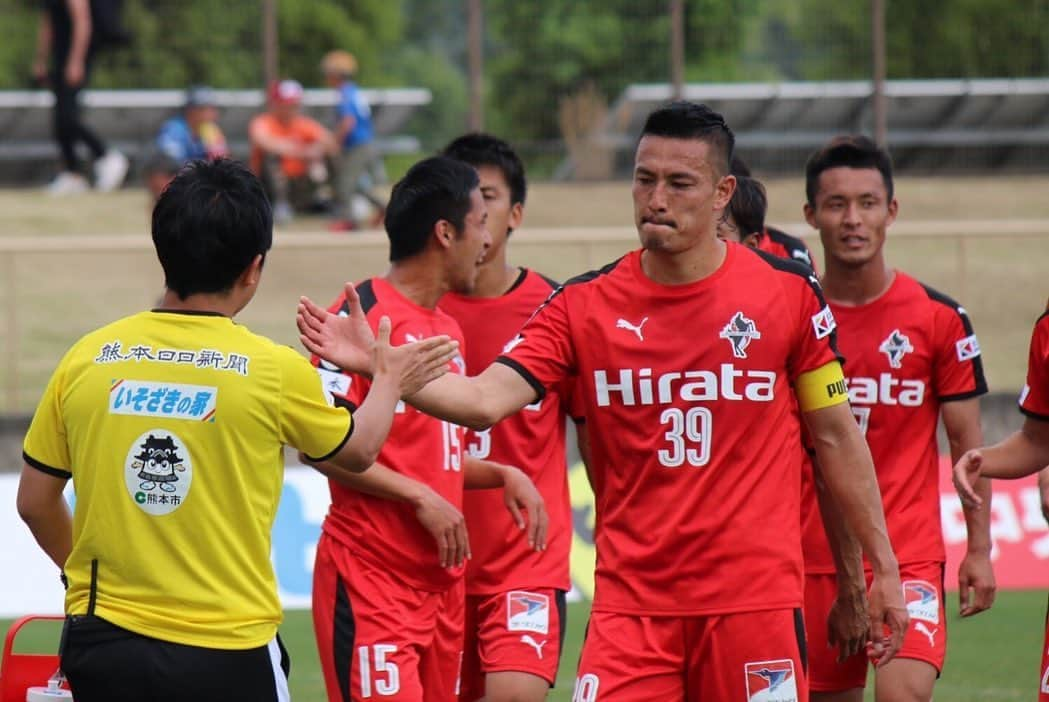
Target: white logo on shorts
(526, 639)
(929, 633)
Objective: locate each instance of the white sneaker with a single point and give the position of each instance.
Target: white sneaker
(67, 183)
(110, 171)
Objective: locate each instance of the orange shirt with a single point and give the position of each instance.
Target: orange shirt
(300, 129)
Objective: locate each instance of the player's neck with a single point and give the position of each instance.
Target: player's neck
(683, 267)
(419, 279)
(495, 277)
(209, 303)
(854, 286)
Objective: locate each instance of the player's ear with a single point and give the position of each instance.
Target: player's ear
(516, 216)
(810, 214)
(253, 273)
(752, 240)
(723, 193)
(894, 208)
(444, 233)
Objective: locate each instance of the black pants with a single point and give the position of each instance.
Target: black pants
(67, 127)
(105, 663)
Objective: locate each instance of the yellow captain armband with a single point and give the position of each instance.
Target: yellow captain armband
(822, 387)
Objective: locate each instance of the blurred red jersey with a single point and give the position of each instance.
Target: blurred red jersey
(533, 440)
(689, 405)
(384, 532)
(779, 243)
(1034, 399)
(906, 353)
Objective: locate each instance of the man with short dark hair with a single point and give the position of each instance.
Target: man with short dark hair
(171, 424)
(913, 359)
(388, 581)
(684, 356)
(515, 595)
(744, 219)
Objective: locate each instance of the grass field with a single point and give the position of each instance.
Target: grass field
(992, 658)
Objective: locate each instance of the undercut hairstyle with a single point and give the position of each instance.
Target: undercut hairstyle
(855, 151)
(748, 206)
(209, 224)
(434, 189)
(690, 120)
(478, 149)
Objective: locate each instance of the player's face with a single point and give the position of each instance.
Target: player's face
(468, 249)
(852, 213)
(678, 193)
(502, 216)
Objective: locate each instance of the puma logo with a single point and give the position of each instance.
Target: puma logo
(930, 633)
(527, 639)
(636, 328)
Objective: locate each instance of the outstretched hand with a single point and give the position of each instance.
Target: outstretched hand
(966, 473)
(344, 340)
(415, 364)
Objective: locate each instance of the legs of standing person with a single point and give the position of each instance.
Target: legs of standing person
(105, 663)
(441, 667)
(829, 680)
(353, 169)
(372, 630)
(276, 181)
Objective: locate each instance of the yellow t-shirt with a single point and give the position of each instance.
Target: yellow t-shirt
(172, 427)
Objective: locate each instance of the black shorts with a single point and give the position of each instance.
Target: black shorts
(105, 663)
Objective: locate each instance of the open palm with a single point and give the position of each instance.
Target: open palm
(344, 340)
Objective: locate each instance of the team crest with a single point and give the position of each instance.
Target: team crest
(158, 472)
(740, 331)
(527, 611)
(967, 348)
(823, 323)
(922, 600)
(771, 681)
(896, 346)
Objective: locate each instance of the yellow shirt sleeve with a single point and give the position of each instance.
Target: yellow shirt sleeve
(45, 445)
(822, 387)
(308, 421)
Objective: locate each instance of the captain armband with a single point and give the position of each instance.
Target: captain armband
(822, 387)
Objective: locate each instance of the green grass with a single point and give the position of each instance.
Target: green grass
(994, 656)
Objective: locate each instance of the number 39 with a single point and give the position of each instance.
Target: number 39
(689, 437)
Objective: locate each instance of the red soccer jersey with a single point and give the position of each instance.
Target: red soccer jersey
(533, 440)
(1034, 399)
(695, 447)
(906, 353)
(385, 532)
(779, 243)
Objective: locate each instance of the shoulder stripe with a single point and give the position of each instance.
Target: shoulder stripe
(44, 468)
(978, 376)
(938, 296)
(591, 275)
(788, 241)
(554, 285)
(366, 291)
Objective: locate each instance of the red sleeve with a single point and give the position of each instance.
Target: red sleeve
(816, 343)
(958, 370)
(542, 352)
(1034, 399)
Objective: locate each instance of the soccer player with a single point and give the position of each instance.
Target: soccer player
(171, 425)
(515, 596)
(744, 219)
(690, 353)
(776, 241)
(912, 359)
(1022, 453)
(388, 592)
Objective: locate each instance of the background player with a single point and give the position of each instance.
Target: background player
(388, 600)
(912, 359)
(171, 424)
(1022, 453)
(744, 219)
(683, 491)
(515, 602)
(776, 241)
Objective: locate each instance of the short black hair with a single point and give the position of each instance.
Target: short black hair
(435, 188)
(209, 224)
(748, 206)
(691, 120)
(480, 149)
(854, 151)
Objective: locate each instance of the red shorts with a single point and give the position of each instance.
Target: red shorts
(744, 656)
(520, 631)
(379, 637)
(925, 640)
(1043, 686)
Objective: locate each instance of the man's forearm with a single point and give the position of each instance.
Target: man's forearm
(1020, 454)
(476, 402)
(378, 481)
(482, 475)
(844, 547)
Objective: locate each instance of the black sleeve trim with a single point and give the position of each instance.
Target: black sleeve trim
(554, 285)
(540, 390)
(964, 395)
(349, 433)
(1034, 415)
(366, 292)
(344, 403)
(578, 420)
(44, 468)
(521, 278)
(967, 326)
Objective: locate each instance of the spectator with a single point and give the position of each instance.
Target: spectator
(194, 134)
(356, 139)
(64, 49)
(289, 151)
(157, 172)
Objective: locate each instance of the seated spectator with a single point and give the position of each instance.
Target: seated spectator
(289, 151)
(744, 219)
(355, 136)
(194, 134)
